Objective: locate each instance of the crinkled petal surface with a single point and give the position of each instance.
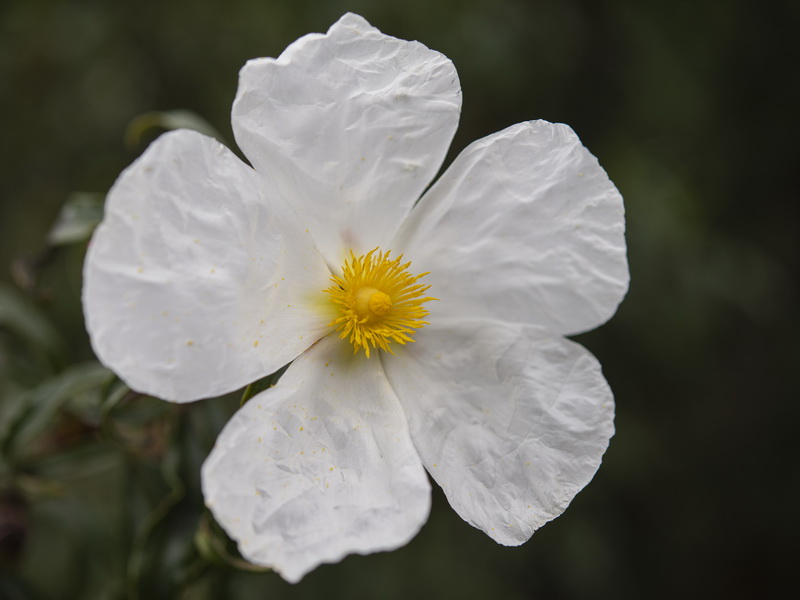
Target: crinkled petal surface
(318, 467)
(195, 284)
(350, 127)
(511, 421)
(524, 226)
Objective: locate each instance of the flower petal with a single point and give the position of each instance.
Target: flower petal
(512, 422)
(350, 126)
(524, 226)
(318, 467)
(193, 284)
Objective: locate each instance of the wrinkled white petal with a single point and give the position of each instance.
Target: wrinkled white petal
(195, 284)
(524, 226)
(349, 127)
(318, 467)
(511, 421)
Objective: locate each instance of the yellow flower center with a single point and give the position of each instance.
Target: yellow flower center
(378, 300)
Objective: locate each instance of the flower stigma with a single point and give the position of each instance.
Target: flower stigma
(378, 300)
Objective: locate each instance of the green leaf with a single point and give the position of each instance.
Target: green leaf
(37, 411)
(25, 322)
(81, 213)
(167, 120)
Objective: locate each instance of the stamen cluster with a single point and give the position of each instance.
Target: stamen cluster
(379, 301)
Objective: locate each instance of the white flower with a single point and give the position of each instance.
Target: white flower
(207, 274)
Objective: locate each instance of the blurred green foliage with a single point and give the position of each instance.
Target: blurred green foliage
(690, 108)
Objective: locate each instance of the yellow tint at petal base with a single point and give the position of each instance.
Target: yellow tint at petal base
(379, 302)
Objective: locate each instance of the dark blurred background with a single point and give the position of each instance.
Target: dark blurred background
(691, 107)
